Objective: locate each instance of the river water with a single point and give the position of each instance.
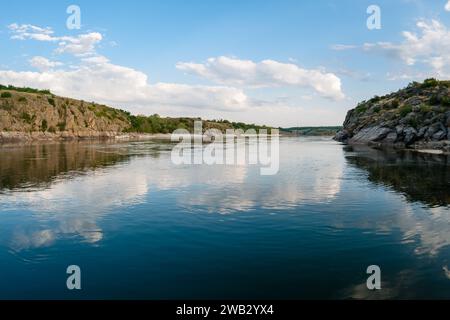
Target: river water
(142, 227)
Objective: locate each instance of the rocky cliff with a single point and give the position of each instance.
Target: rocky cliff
(40, 114)
(417, 116)
(31, 114)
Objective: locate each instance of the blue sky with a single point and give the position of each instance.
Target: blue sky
(281, 63)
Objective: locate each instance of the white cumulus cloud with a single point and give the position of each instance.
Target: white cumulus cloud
(428, 46)
(43, 64)
(267, 73)
(28, 31)
(447, 6)
(79, 45)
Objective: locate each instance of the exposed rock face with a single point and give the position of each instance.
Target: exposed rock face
(26, 116)
(417, 116)
(376, 133)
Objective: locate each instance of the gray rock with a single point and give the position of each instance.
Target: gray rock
(408, 118)
(342, 136)
(436, 108)
(422, 132)
(438, 118)
(391, 138)
(414, 101)
(434, 128)
(399, 129)
(440, 135)
(366, 135)
(416, 108)
(410, 135)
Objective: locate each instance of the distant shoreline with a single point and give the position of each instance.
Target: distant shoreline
(18, 137)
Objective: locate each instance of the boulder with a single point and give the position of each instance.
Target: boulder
(416, 108)
(433, 129)
(371, 134)
(421, 132)
(399, 129)
(436, 108)
(440, 135)
(414, 101)
(342, 136)
(391, 138)
(408, 118)
(410, 136)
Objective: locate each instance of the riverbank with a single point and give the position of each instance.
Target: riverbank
(30, 137)
(23, 137)
(436, 147)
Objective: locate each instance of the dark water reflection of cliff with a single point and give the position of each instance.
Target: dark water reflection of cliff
(422, 177)
(38, 165)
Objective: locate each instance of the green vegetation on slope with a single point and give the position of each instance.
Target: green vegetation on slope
(312, 131)
(32, 110)
(24, 89)
(157, 124)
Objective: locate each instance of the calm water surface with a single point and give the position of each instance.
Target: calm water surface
(141, 227)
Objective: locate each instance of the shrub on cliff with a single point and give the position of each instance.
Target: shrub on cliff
(24, 89)
(436, 100)
(425, 108)
(26, 117)
(405, 110)
(394, 104)
(44, 125)
(51, 101)
(361, 108)
(430, 83)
